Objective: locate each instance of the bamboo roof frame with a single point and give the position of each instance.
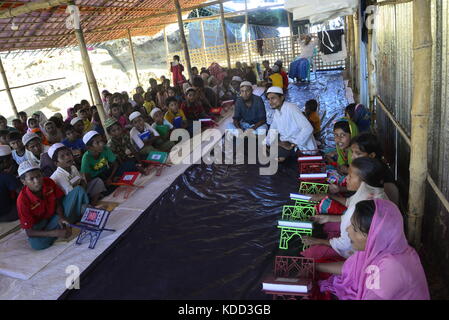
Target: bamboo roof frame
(40, 24)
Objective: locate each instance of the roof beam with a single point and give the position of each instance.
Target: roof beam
(30, 7)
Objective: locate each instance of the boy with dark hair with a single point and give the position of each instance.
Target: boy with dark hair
(4, 124)
(18, 149)
(9, 186)
(68, 178)
(40, 209)
(74, 142)
(4, 137)
(19, 126)
(312, 115)
(37, 152)
(175, 115)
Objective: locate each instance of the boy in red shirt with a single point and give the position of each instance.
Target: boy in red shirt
(40, 209)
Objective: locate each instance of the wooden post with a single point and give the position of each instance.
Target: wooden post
(371, 81)
(167, 52)
(422, 54)
(30, 7)
(92, 100)
(351, 50)
(204, 42)
(292, 39)
(131, 49)
(8, 89)
(247, 33)
(90, 75)
(225, 35)
(356, 42)
(183, 39)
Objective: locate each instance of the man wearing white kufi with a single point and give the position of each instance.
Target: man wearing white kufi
(295, 131)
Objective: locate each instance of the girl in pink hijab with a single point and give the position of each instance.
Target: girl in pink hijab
(384, 266)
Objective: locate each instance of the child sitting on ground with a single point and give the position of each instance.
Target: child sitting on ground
(145, 137)
(121, 145)
(360, 115)
(83, 114)
(192, 108)
(68, 178)
(19, 151)
(78, 126)
(117, 114)
(9, 186)
(37, 152)
(99, 160)
(149, 103)
(40, 208)
(74, 142)
(53, 134)
(4, 137)
(175, 115)
(19, 126)
(162, 126)
(312, 115)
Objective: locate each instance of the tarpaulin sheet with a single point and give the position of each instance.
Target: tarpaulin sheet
(211, 235)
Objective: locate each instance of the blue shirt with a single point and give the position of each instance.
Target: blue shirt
(74, 145)
(250, 115)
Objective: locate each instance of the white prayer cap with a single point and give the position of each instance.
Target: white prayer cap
(236, 78)
(75, 120)
(246, 83)
(275, 90)
(5, 151)
(89, 135)
(27, 137)
(153, 112)
(26, 166)
(54, 148)
(134, 115)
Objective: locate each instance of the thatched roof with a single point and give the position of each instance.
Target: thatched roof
(101, 20)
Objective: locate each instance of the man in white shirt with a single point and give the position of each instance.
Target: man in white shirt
(295, 131)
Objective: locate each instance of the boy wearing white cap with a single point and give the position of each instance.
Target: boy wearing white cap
(37, 152)
(40, 210)
(68, 178)
(295, 131)
(78, 125)
(9, 186)
(98, 160)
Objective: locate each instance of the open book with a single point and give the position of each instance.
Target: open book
(292, 285)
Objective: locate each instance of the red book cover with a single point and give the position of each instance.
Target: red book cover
(128, 178)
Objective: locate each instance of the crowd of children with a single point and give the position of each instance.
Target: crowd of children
(55, 167)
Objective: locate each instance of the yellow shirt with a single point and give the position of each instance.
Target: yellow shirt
(276, 80)
(149, 105)
(170, 117)
(87, 126)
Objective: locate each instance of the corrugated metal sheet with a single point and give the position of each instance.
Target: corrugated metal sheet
(394, 81)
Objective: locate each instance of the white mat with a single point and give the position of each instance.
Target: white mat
(50, 282)
(6, 227)
(18, 260)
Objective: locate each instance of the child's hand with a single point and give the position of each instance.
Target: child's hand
(321, 219)
(64, 233)
(334, 188)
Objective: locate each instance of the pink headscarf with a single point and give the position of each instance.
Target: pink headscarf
(388, 268)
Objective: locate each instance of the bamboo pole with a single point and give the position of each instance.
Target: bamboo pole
(90, 76)
(371, 80)
(356, 54)
(30, 7)
(422, 54)
(92, 100)
(248, 33)
(8, 89)
(292, 39)
(204, 43)
(133, 56)
(351, 50)
(183, 39)
(167, 52)
(225, 35)
(31, 84)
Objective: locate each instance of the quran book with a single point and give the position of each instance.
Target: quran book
(296, 224)
(95, 218)
(292, 285)
(310, 159)
(313, 176)
(157, 156)
(296, 196)
(177, 122)
(144, 136)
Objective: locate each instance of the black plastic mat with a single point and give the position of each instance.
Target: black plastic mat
(212, 235)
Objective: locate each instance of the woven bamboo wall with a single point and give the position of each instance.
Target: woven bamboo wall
(273, 49)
